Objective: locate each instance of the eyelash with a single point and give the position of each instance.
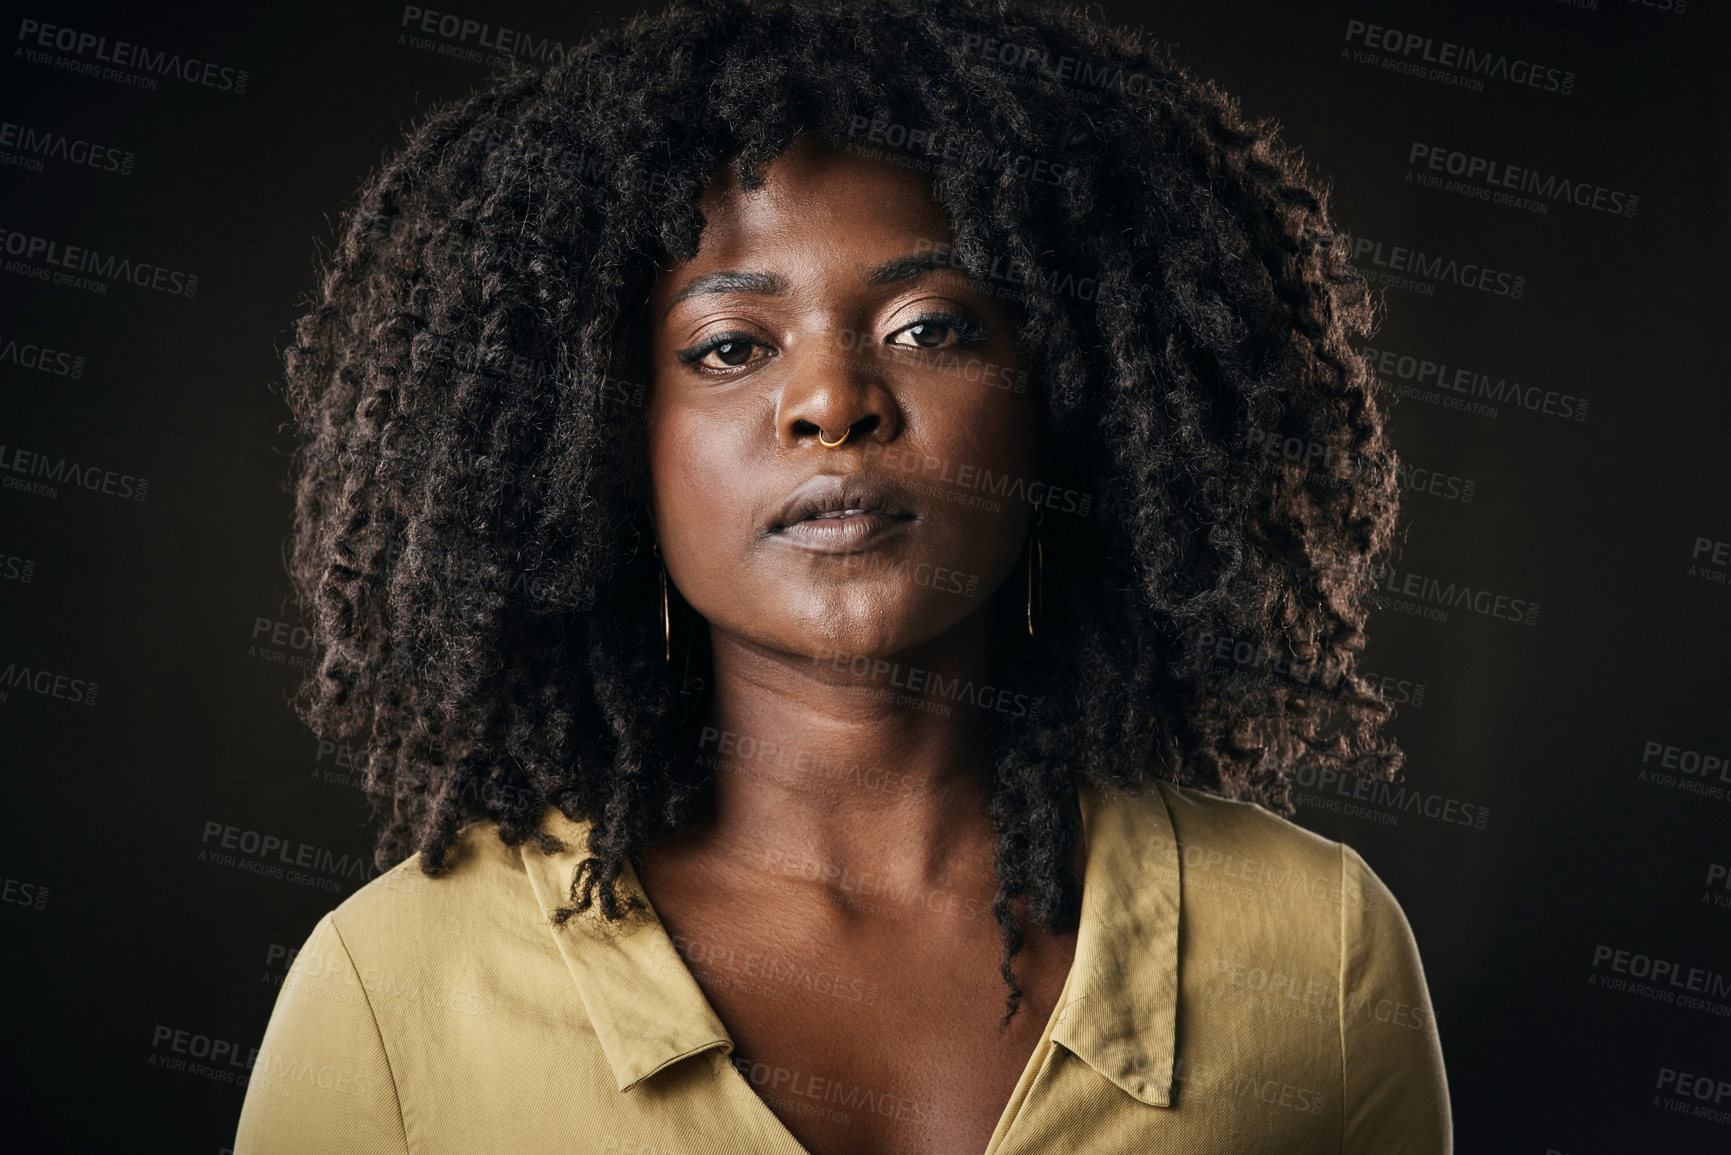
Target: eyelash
(704, 348)
(968, 334)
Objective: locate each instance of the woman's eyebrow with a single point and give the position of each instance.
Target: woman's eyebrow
(730, 281)
(905, 268)
(770, 285)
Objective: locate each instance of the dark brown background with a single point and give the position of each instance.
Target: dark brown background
(1541, 726)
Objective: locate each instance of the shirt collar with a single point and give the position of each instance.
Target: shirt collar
(1120, 1008)
(646, 1009)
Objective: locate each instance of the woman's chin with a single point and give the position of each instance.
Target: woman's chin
(850, 630)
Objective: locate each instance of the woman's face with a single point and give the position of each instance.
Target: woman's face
(819, 305)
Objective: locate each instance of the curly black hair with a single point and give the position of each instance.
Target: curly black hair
(470, 546)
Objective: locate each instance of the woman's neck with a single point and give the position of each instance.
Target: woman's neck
(852, 765)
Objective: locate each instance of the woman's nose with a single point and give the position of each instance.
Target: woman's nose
(835, 394)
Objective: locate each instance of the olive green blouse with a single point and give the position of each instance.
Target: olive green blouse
(1239, 985)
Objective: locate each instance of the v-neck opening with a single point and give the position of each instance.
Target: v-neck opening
(1044, 1045)
(1037, 1061)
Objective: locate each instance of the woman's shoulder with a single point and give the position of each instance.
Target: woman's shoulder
(433, 999)
(1288, 948)
(1238, 853)
(484, 897)
(1229, 825)
(1206, 834)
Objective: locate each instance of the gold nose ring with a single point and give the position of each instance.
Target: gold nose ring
(827, 443)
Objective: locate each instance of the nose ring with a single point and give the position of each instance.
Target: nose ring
(828, 444)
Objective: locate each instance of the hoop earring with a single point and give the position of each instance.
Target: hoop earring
(666, 621)
(666, 618)
(1036, 564)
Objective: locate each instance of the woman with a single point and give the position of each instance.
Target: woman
(782, 496)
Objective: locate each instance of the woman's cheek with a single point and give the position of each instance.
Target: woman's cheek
(708, 486)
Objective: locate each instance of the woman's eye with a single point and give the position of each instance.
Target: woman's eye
(936, 333)
(727, 352)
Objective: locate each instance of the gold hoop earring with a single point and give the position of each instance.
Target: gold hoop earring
(666, 621)
(827, 444)
(1036, 561)
(666, 618)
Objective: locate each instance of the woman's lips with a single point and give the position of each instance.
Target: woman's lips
(844, 530)
(830, 513)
